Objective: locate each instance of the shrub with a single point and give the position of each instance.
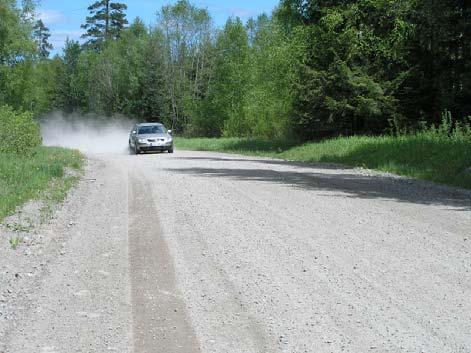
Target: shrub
(18, 131)
(449, 129)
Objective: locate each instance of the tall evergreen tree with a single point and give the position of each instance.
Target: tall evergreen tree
(440, 55)
(353, 65)
(106, 22)
(41, 35)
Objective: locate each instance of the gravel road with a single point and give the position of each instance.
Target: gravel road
(215, 253)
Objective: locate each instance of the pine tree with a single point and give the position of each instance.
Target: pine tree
(106, 22)
(41, 34)
(117, 18)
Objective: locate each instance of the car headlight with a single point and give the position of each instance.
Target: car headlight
(142, 140)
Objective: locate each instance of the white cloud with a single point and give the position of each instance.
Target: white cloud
(50, 17)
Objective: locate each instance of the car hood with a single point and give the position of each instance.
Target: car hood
(153, 136)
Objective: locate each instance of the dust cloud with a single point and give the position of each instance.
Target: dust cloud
(87, 134)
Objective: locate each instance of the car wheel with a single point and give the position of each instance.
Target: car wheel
(136, 150)
(170, 150)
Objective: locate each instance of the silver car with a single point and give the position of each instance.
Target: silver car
(147, 137)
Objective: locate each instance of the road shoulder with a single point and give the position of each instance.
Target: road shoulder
(69, 287)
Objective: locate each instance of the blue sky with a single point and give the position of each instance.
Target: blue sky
(64, 17)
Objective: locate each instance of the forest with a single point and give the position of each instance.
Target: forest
(310, 69)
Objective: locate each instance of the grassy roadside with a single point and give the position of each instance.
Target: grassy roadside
(429, 156)
(40, 175)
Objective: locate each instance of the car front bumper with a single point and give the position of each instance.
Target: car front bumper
(147, 147)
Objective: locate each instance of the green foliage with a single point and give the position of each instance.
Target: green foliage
(129, 76)
(223, 109)
(370, 62)
(352, 69)
(17, 51)
(73, 78)
(315, 68)
(251, 88)
(448, 129)
(25, 177)
(27, 78)
(188, 58)
(19, 133)
(15, 39)
(275, 59)
(439, 56)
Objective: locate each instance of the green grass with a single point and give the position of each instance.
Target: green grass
(425, 155)
(254, 147)
(41, 175)
(15, 242)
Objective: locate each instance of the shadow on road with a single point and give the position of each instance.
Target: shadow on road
(268, 161)
(343, 180)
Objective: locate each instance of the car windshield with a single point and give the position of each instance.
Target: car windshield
(152, 129)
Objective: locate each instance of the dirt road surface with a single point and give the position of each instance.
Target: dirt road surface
(213, 253)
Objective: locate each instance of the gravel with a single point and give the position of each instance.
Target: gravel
(72, 292)
(207, 252)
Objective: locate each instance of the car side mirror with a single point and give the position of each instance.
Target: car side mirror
(134, 132)
(170, 132)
